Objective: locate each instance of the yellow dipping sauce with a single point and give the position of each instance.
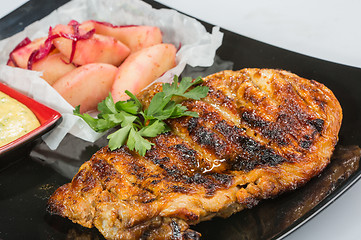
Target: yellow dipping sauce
(15, 119)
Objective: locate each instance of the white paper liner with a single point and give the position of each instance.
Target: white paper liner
(198, 48)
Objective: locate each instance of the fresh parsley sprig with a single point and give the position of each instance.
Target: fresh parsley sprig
(137, 124)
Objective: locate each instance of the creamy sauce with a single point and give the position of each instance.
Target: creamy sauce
(16, 119)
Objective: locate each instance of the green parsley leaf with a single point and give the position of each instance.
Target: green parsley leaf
(197, 93)
(119, 137)
(132, 106)
(98, 125)
(136, 124)
(153, 129)
(107, 106)
(137, 142)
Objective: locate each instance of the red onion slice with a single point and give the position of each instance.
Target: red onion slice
(23, 43)
(43, 51)
(75, 37)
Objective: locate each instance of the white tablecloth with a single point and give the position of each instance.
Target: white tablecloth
(7, 6)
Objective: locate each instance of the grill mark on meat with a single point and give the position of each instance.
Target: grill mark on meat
(299, 90)
(252, 153)
(286, 130)
(171, 172)
(191, 166)
(269, 130)
(202, 131)
(186, 154)
(131, 165)
(206, 138)
(163, 156)
(221, 99)
(320, 96)
(318, 124)
(178, 151)
(222, 178)
(290, 93)
(228, 141)
(255, 100)
(258, 96)
(205, 158)
(140, 175)
(211, 182)
(303, 88)
(292, 125)
(112, 177)
(103, 171)
(83, 176)
(292, 108)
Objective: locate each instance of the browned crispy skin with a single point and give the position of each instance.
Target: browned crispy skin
(260, 132)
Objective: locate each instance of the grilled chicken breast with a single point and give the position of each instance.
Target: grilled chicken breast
(260, 132)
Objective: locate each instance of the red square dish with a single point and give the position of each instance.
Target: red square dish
(47, 117)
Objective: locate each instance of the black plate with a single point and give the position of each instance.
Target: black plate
(26, 185)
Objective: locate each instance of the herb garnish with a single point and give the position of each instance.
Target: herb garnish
(137, 124)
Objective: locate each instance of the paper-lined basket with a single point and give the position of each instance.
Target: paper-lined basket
(198, 48)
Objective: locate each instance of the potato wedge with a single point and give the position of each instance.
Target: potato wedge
(96, 49)
(142, 68)
(87, 85)
(21, 55)
(54, 66)
(135, 37)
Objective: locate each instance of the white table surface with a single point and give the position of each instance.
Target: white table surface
(326, 29)
(7, 6)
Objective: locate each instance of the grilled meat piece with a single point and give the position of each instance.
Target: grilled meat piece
(260, 132)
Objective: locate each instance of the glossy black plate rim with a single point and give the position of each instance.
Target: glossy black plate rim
(15, 17)
(331, 198)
